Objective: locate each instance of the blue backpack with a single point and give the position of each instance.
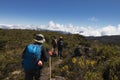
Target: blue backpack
(31, 56)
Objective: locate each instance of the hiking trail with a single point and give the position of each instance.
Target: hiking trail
(46, 71)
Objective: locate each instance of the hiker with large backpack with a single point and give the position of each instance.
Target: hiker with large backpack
(54, 45)
(60, 47)
(33, 58)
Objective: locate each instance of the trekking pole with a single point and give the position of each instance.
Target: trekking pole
(50, 52)
(50, 66)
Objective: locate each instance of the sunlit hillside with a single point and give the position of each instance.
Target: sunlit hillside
(100, 62)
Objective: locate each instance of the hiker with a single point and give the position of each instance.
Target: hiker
(60, 47)
(33, 58)
(54, 45)
(77, 51)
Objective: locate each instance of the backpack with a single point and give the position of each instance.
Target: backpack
(54, 42)
(60, 43)
(31, 56)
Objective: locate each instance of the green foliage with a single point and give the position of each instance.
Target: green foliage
(112, 69)
(2, 44)
(9, 62)
(100, 63)
(90, 75)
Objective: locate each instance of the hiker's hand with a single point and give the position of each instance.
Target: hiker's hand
(50, 53)
(39, 63)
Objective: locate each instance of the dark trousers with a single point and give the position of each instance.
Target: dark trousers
(60, 52)
(32, 74)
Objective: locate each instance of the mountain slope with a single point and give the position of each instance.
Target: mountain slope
(106, 39)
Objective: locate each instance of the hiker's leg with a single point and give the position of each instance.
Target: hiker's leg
(28, 75)
(55, 51)
(58, 53)
(38, 74)
(61, 53)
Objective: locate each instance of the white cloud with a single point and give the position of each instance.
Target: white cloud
(109, 30)
(86, 31)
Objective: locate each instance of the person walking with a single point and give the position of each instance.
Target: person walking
(33, 58)
(54, 45)
(60, 47)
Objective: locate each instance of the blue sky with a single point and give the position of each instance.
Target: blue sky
(91, 17)
(76, 12)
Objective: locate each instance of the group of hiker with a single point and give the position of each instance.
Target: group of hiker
(57, 46)
(34, 56)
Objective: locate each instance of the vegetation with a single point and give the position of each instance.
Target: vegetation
(100, 63)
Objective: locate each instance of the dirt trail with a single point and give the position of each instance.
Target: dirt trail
(46, 71)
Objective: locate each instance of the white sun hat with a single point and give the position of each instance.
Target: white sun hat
(39, 38)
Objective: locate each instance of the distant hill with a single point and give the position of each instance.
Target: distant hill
(106, 39)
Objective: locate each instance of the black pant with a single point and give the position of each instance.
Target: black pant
(60, 52)
(32, 74)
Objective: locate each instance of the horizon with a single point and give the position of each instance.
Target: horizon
(90, 17)
(108, 30)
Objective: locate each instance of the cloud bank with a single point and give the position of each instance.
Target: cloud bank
(85, 31)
